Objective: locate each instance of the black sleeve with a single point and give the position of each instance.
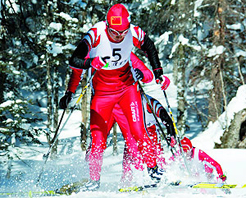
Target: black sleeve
(78, 58)
(149, 47)
(168, 122)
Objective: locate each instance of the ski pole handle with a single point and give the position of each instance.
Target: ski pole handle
(86, 86)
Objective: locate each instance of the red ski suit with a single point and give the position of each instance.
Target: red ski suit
(115, 85)
(198, 156)
(209, 163)
(131, 152)
(140, 135)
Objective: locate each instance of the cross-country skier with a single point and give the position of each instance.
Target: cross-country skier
(131, 152)
(198, 157)
(111, 42)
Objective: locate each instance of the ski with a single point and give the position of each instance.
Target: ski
(75, 188)
(214, 185)
(137, 188)
(145, 187)
(30, 193)
(179, 185)
(226, 188)
(67, 189)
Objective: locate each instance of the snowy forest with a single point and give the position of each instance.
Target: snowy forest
(202, 42)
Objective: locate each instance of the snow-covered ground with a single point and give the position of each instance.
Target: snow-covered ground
(71, 166)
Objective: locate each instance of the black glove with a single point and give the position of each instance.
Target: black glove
(158, 73)
(64, 101)
(139, 74)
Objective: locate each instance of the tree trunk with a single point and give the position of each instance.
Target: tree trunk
(179, 68)
(218, 101)
(49, 99)
(181, 118)
(232, 135)
(2, 86)
(2, 56)
(214, 107)
(83, 137)
(84, 106)
(239, 66)
(115, 150)
(9, 167)
(56, 108)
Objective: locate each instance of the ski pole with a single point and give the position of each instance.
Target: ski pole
(57, 129)
(158, 123)
(176, 131)
(171, 114)
(53, 143)
(56, 137)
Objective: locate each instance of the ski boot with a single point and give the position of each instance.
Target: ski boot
(74, 187)
(91, 185)
(155, 173)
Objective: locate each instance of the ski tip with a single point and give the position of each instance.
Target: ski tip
(130, 189)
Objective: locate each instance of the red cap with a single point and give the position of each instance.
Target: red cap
(118, 18)
(186, 144)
